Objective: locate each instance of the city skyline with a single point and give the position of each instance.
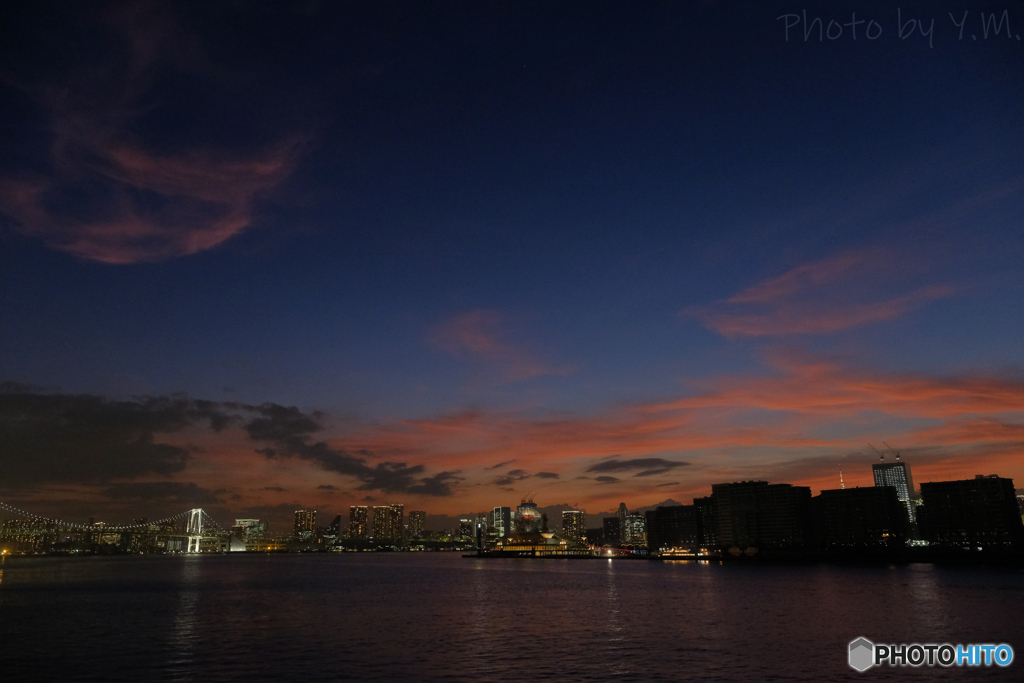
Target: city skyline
(286, 258)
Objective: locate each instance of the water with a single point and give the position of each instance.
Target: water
(441, 617)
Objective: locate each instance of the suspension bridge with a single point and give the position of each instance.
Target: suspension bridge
(190, 531)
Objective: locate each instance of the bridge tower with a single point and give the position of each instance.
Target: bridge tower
(194, 529)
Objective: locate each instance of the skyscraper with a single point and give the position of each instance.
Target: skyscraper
(417, 522)
(501, 520)
(357, 526)
(622, 514)
(396, 528)
(381, 521)
(574, 525)
(305, 523)
(897, 475)
(636, 528)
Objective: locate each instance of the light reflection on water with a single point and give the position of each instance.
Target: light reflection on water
(183, 634)
(438, 616)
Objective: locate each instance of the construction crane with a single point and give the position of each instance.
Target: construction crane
(893, 450)
(880, 454)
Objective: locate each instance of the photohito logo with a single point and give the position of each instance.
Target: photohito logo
(864, 654)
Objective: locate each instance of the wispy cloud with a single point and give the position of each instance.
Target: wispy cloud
(842, 292)
(108, 192)
(482, 334)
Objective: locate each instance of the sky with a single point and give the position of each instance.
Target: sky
(258, 257)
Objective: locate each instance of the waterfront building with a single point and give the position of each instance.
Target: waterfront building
(333, 530)
(636, 529)
(612, 531)
(249, 528)
(979, 512)
(501, 520)
(896, 474)
(528, 517)
(465, 529)
(595, 536)
(574, 525)
(481, 526)
(357, 523)
(396, 523)
(705, 508)
(756, 514)
(675, 526)
(381, 521)
(305, 524)
(417, 523)
(864, 518)
(623, 514)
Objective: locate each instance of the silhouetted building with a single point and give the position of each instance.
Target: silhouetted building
(868, 518)
(612, 531)
(708, 520)
(501, 519)
(979, 512)
(595, 536)
(623, 515)
(305, 524)
(417, 523)
(897, 475)
(676, 526)
(756, 514)
(357, 523)
(574, 525)
(481, 529)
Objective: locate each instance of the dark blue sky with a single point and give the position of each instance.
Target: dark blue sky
(456, 228)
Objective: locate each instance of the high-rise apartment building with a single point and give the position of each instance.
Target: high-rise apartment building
(972, 512)
(872, 517)
(397, 521)
(381, 521)
(622, 514)
(388, 521)
(897, 475)
(305, 524)
(574, 525)
(756, 514)
(676, 526)
(357, 524)
(417, 523)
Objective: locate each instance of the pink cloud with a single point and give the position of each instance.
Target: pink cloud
(834, 294)
(142, 205)
(736, 427)
(481, 334)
